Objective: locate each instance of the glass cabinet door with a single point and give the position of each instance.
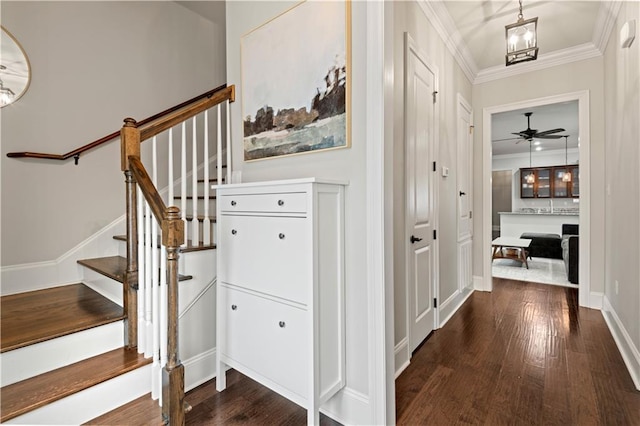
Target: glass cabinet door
(575, 181)
(560, 187)
(526, 187)
(543, 183)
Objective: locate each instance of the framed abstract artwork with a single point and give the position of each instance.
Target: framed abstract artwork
(296, 81)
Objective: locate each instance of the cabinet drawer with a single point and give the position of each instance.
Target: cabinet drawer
(266, 336)
(270, 255)
(292, 202)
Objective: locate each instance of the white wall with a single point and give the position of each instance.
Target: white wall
(351, 405)
(93, 63)
(514, 162)
(409, 17)
(622, 186)
(577, 76)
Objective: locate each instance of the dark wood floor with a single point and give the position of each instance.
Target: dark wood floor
(524, 354)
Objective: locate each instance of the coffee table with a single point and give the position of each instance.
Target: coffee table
(510, 248)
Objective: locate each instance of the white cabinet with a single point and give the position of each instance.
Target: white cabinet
(280, 294)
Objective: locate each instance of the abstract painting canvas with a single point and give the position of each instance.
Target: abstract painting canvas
(295, 81)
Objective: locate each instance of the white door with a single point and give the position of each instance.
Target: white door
(420, 95)
(464, 171)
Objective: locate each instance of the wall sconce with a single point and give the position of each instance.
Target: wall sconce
(522, 40)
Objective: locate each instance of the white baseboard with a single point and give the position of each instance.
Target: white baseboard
(596, 300)
(349, 407)
(453, 303)
(83, 406)
(401, 356)
(32, 360)
(630, 353)
(478, 283)
(199, 369)
(63, 270)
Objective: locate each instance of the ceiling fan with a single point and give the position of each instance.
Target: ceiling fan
(529, 134)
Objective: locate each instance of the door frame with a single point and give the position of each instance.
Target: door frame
(411, 46)
(584, 270)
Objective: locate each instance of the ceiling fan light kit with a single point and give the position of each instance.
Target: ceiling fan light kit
(522, 40)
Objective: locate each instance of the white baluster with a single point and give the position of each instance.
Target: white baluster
(183, 177)
(206, 223)
(141, 282)
(154, 332)
(195, 236)
(163, 318)
(228, 144)
(219, 147)
(170, 169)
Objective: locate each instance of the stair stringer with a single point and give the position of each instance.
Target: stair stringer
(90, 403)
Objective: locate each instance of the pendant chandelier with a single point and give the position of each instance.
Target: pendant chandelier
(530, 178)
(522, 40)
(567, 174)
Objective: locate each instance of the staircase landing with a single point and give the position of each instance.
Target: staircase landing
(36, 316)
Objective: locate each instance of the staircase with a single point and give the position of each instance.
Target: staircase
(73, 352)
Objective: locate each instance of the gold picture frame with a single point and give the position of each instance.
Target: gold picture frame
(296, 81)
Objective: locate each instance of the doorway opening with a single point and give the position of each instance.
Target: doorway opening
(582, 99)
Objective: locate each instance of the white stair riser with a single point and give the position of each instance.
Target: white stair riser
(30, 361)
(109, 288)
(93, 402)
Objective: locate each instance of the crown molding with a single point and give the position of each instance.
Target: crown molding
(555, 58)
(605, 22)
(441, 20)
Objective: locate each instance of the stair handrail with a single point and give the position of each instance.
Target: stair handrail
(75, 154)
(132, 134)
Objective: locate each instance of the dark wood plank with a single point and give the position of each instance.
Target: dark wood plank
(27, 395)
(36, 316)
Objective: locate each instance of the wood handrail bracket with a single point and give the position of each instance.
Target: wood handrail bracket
(75, 154)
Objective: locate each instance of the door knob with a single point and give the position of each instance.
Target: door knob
(462, 193)
(413, 239)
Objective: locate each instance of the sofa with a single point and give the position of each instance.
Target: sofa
(570, 251)
(543, 245)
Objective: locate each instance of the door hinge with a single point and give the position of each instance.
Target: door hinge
(470, 214)
(434, 96)
(434, 166)
(471, 127)
(435, 302)
(434, 234)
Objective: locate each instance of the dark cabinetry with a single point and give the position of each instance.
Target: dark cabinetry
(548, 182)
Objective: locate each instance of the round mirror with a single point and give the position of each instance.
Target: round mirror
(15, 71)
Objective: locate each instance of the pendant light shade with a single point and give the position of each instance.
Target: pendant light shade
(522, 40)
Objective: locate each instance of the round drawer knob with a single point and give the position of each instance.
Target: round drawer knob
(281, 236)
(281, 202)
(234, 307)
(233, 203)
(234, 232)
(281, 324)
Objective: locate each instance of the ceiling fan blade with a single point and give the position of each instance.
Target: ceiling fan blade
(522, 134)
(548, 132)
(548, 136)
(506, 139)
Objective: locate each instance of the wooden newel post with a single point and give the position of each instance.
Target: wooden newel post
(173, 374)
(130, 146)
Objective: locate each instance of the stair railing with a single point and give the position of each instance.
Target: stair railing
(151, 282)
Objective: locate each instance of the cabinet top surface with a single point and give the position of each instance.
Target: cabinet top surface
(282, 182)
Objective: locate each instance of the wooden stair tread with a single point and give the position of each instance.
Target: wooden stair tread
(186, 249)
(36, 316)
(27, 395)
(114, 267)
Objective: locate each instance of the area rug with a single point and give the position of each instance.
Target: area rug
(541, 270)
